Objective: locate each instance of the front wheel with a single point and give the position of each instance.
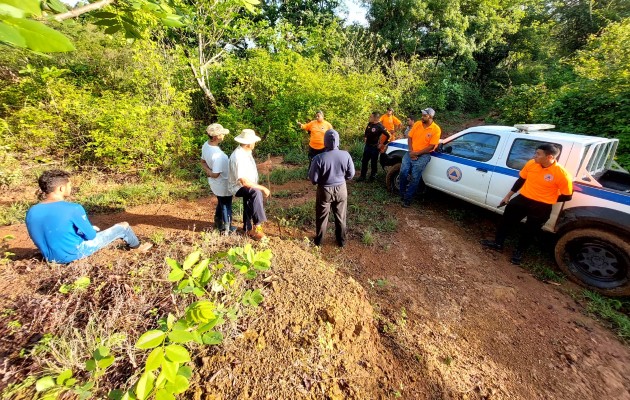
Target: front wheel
(392, 180)
(596, 259)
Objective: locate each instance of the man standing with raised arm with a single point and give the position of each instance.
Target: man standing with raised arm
(243, 182)
(316, 130)
(542, 183)
(423, 138)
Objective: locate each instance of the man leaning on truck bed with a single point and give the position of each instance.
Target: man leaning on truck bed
(542, 183)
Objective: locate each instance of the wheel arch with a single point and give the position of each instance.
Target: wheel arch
(593, 217)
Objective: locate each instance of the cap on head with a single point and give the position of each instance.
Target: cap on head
(247, 136)
(429, 111)
(216, 130)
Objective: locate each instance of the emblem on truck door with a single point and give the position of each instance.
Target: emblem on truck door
(454, 174)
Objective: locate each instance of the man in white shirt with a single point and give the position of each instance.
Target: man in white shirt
(243, 182)
(215, 163)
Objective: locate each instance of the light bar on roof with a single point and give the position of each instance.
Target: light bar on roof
(533, 127)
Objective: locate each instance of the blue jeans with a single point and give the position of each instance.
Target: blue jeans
(223, 213)
(104, 238)
(415, 168)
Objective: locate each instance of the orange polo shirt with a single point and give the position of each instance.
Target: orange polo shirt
(421, 137)
(390, 123)
(545, 184)
(316, 130)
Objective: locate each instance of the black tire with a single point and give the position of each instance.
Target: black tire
(392, 181)
(595, 259)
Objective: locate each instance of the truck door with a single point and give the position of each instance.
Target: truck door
(464, 167)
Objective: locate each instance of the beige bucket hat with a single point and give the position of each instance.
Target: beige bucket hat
(247, 136)
(216, 130)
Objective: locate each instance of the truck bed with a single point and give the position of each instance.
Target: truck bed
(615, 180)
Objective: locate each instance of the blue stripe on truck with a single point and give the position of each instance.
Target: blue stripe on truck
(602, 193)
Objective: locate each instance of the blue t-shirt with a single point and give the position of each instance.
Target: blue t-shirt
(58, 228)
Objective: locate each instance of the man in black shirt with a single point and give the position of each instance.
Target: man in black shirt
(372, 137)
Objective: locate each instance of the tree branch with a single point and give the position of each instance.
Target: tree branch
(84, 9)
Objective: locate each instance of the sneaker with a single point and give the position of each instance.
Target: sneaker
(517, 257)
(256, 233)
(406, 204)
(361, 179)
(491, 244)
(143, 248)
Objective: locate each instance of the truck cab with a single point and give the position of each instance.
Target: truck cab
(480, 165)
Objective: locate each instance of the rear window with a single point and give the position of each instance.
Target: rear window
(523, 150)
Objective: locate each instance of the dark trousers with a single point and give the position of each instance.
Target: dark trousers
(312, 153)
(370, 155)
(335, 197)
(537, 214)
(253, 208)
(223, 213)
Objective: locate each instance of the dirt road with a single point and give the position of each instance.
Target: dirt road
(455, 320)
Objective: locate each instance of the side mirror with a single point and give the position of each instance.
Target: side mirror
(440, 148)
(448, 149)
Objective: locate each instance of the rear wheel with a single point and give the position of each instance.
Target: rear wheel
(392, 180)
(596, 259)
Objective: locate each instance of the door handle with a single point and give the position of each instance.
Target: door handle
(482, 170)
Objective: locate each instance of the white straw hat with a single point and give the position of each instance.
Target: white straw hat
(247, 136)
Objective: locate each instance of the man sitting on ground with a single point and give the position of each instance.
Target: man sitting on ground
(243, 182)
(61, 230)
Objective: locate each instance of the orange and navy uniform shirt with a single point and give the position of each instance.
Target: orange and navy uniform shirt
(389, 122)
(545, 184)
(421, 137)
(316, 130)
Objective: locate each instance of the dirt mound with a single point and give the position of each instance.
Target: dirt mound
(316, 339)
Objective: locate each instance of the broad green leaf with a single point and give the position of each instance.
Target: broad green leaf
(210, 324)
(104, 14)
(56, 5)
(82, 283)
(179, 386)
(44, 383)
(100, 353)
(199, 268)
(70, 382)
(30, 7)
(65, 288)
(90, 365)
(173, 263)
(11, 11)
(228, 279)
(150, 339)
(154, 360)
(113, 29)
(169, 368)
(106, 22)
(177, 353)
(39, 37)
(170, 320)
(192, 259)
(163, 394)
(88, 385)
(63, 377)
(198, 292)
(253, 2)
(172, 21)
(180, 336)
(115, 394)
(212, 338)
(185, 371)
(105, 362)
(197, 337)
(176, 275)
(144, 386)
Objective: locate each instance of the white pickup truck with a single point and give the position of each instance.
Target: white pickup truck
(481, 164)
